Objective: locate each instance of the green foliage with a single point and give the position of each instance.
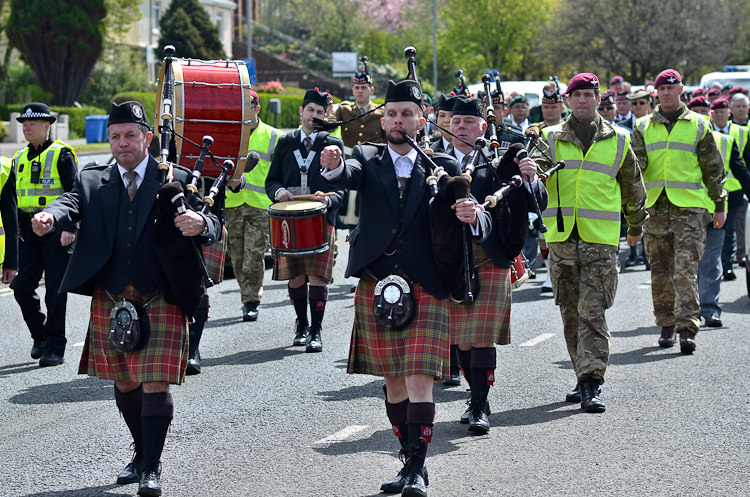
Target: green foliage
(62, 40)
(125, 71)
(77, 119)
(20, 85)
(187, 26)
(3, 131)
(146, 98)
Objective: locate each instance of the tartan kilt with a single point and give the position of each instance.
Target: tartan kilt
(163, 359)
(320, 265)
(420, 348)
(215, 256)
(487, 319)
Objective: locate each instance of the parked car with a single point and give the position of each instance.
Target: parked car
(732, 75)
(532, 90)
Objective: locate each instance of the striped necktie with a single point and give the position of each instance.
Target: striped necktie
(132, 187)
(308, 144)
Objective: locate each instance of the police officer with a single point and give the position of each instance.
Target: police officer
(8, 221)
(247, 218)
(583, 218)
(44, 171)
(678, 205)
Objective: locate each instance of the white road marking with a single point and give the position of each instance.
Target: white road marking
(537, 340)
(79, 344)
(341, 435)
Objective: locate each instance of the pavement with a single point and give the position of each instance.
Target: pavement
(266, 419)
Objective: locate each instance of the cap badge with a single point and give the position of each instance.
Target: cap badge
(416, 92)
(137, 113)
(671, 79)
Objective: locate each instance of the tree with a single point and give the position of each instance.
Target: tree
(61, 39)
(186, 25)
(493, 36)
(640, 38)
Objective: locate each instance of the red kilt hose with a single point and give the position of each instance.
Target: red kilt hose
(320, 265)
(163, 359)
(487, 319)
(420, 348)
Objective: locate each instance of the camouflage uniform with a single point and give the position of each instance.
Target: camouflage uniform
(584, 275)
(247, 247)
(675, 237)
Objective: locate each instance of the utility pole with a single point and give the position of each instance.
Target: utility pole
(434, 48)
(248, 15)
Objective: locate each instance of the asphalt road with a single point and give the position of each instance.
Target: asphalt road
(264, 418)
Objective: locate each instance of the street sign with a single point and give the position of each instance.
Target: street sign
(344, 64)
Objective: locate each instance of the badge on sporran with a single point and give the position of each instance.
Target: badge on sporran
(129, 326)
(394, 303)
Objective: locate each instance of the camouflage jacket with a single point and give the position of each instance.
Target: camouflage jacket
(709, 158)
(632, 189)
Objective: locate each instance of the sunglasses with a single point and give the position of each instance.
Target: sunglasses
(640, 102)
(608, 107)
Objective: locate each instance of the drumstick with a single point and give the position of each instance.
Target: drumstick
(308, 197)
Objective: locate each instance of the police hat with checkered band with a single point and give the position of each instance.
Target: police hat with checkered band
(36, 111)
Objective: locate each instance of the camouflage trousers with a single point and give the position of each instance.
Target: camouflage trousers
(584, 280)
(248, 238)
(675, 238)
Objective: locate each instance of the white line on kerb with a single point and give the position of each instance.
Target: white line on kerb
(79, 344)
(341, 435)
(537, 340)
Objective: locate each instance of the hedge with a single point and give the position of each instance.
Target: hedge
(290, 104)
(77, 119)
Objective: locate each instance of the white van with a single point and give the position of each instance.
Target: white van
(732, 75)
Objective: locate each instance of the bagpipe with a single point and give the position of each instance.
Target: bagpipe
(181, 259)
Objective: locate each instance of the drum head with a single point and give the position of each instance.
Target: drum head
(295, 207)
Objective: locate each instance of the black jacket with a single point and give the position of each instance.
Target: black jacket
(384, 226)
(94, 202)
(284, 171)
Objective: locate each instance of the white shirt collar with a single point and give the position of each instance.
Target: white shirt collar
(303, 135)
(140, 169)
(412, 156)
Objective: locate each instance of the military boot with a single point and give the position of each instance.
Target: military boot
(415, 474)
(590, 401)
(667, 336)
(687, 341)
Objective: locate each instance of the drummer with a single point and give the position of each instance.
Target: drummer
(295, 171)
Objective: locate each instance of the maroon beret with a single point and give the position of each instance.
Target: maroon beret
(615, 80)
(668, 77)
(713, 91)
(583, 81)
(699, 91)
(254, 97)
(738, 89)
(720, 103)
(699, 101)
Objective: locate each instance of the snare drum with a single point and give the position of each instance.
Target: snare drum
(519, 271)
(210, 98)
(298, 228)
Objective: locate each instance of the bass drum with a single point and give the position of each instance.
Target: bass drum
(210, 98)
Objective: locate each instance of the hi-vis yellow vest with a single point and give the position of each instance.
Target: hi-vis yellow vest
(263, 141)
(5, 165)
(724, 142)
(740, 135)
(33, 197)
(673, 161)
(589, 191)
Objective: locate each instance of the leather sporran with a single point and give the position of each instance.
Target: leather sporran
(394, 305)
(129, 326)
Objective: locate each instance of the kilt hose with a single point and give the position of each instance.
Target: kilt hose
(163, 359)
(320, 265)
(487, 319)
(422, 347)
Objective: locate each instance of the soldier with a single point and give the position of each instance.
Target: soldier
(519, 112)
(641, 103)
(625, 116)
(679, 209)
(711, 264)
(607, 108)
(247, 218)
(295, 170)
(8, 221)
(584, 228)
(44, 171)
(739, 104)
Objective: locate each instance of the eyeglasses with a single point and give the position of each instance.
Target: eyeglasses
(640, 102)
(608, 107)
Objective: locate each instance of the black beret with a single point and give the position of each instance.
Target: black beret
(315, 96)
(128, 112)
(406, 90)
(36, 111)
(467, 107)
